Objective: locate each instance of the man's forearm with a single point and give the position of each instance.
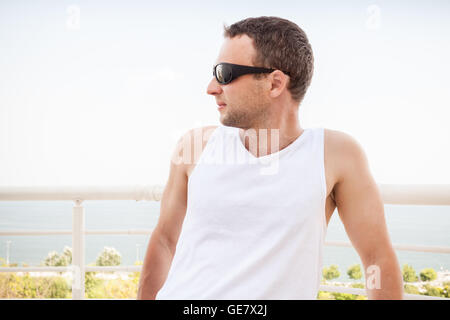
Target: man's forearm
(155, 269)
(384, 279)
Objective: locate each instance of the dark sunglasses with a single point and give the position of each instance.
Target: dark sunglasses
(227, 72)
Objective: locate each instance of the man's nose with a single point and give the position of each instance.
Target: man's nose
(214, 87)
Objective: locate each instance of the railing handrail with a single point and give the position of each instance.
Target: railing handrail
(58, 232)
(412, 194)
(83, 193)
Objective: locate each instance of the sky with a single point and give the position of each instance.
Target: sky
(98, 92)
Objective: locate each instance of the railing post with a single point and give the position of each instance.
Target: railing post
(78, 247)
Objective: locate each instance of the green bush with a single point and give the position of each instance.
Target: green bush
(13, 286)
(331, 273)
(428, 274)
(432, 291)
(96, 288)
(354, 272)
(358, 285)
(411, 289)
(58, 288)
(111, 289)
(92, 285)
(120, 289)
(409, 274)
(344, 296)
(323, 295)
(445, 291)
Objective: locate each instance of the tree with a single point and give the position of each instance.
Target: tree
(109, 257)
(54, 259)
(67, 255)
(409, 274)
(428, 274)
(331, 273)
(354, 272)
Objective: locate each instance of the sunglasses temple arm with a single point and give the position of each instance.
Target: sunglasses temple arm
(241, 70)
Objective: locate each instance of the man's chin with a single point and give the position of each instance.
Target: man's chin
(230, 124)
(226, 122)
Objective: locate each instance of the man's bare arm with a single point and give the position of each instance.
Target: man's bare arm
(162, 244)
(361, 210)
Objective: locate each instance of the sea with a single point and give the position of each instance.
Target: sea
(407, 225)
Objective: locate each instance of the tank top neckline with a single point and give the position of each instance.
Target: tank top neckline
(279, 153)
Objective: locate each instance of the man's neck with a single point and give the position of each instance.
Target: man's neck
(268, 139)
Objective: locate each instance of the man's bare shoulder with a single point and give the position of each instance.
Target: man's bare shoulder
(336, 139)
(190, 147)
(188, 138)
(195, 135)
(206, 132)
(342, 152)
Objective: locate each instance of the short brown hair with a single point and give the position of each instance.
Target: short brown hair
(280, 44)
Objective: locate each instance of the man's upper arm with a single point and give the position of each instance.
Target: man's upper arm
(359, 201)
(174, 197)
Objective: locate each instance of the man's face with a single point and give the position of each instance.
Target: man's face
(245, 99)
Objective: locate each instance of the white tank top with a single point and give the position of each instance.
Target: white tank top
(254, 227)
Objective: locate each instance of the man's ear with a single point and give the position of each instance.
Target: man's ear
(279, 81)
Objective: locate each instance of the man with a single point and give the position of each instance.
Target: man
(229, 229)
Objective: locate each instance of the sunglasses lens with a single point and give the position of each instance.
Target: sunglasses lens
(223, 73)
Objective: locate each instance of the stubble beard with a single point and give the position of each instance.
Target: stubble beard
(254, 117)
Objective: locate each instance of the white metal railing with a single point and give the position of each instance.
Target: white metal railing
(432, 194)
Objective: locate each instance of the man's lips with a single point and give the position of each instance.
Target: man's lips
(221, 105)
